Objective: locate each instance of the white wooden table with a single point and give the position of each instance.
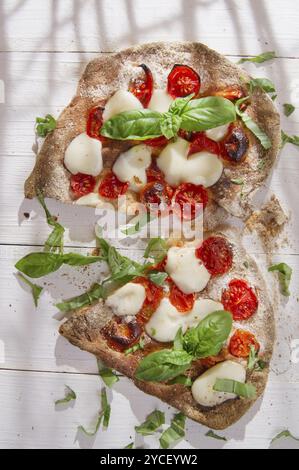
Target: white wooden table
(44, 47)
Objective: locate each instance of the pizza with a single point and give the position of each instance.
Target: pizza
(161, 123)
(196, 329)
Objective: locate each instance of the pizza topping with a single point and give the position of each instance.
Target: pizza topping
(120, 335)
(121, 101)
(127, 300)
(45, 125)
(183, 81)
(218, 133)
(202, 141)
(157, 142)
(160, 101)
(204, 169)
(143, 88)
(239, 298)
(95, 122)
(131, 166)
(182, 302)
(82, 184)
(190, 200)
(153, 296)
(251, 124)
(202, 388)
(84, 155)
(153, 173)
(156, 195)
(216, 254)
(111, 187)
(232, 93)
(240, 343)
(235, 145)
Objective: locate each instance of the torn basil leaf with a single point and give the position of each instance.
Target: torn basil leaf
(175, 432)
(259, 59)
(233, 386)
(212, 434)
(136, 347)
(252, 126)
(181, 379)
(263, 83)
(130, 446)
(284, 275)
(288, 109)
(97, 426)
(35, 289)
(163, 365)
(285, 433)
(106, 408)
(45, 125)
(157, 277)
(55, 239)
(69, 396)
(134, 227)
(107, 375)
(289, 139)
(152, 423)
(156, 249)
(96, 292)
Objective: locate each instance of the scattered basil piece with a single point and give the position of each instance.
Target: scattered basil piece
(289, 139)
(163, 365)
(285, 433)
(284, 275)
(96, 292)
(207, 338)
(69, 396)
(55, 239)
(156, 249)
(97, 426)
(288, 109)
(136, 347)
(134, 227)
(45, 125)
(273, 97)
(206, 113)
(35, 289)
(254, 363)
(252, 126)
(263, 83)
(259, 59)
(130, 446)
(139, 124)
(233, 386)
(211, 433)
(152, 423)
(181, 379)
(106, 408)
(175, 432)
(238, 181)
(107, 375)
(157, 277)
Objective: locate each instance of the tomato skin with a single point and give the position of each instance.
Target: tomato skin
(235, 144)
(239, 299)
(189, 193)
(201, 142)
(82, 184)
(157, 193)
(153, 173)
(182, 81)
(110, 187)
(216, 255)
(153, 298)
(94, 123)
(156, 142)
(182, 302)
(232, 93)
(143, 88)
(240, 342)
(120, 335)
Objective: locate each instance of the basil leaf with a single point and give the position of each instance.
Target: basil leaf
(170, 125)
(288, 109)
(163, 365)
(55, 239)
(130, 446)
(107, 375)
(284, 275)
(207, 338)
(181, 379)
(238, 181)
(259, 59)
(252, 126)
(264, 83)
(233, 386)
(75, 259)
(211, 433)
(35, 289)
(69, 396)
(155, 245)
(39, 264)
(139, 124)
(175, 432)
(151, 424)
(206, 113)
(96, 292)
(135, 227)
(136, 347)
(178, 105)
(178, 340)
(253, 361)
(285, 433)
(45, 125)
(97, 426)
(289, 139)
(157, 277)
(106, 408)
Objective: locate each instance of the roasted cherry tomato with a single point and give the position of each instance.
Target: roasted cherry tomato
(156, 196)
(182, 302)
(120, 335)
(186, 198)
(240, 343)
(235, 144)
(231, 93)
(153, 298)
(153, 173)
(156, 142)
(95, 122)
(111, 187)
(201, 142)
(213, 360)
(143, 88)
(216, 254)
(182, 81)
(239, 299)
(82, 184)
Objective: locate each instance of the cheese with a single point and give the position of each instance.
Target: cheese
(84, 155)
(218, 133)
(127, 300)
(186, 270)
(121, 101)
(202, 388)
(200, 168)
(131, 166)
(160, 101)
(91, 199)
(166, 320)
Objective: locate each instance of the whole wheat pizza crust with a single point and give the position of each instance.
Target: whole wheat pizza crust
(110, 72)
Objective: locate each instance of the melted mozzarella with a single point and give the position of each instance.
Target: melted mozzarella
(84, 155)
(91, 199)
(131, 166)
(203, 168)
(160, 101)
(172, 161)
(127, 300)
(121, 101)
(202, 388)
(218, 133)
(186, 270)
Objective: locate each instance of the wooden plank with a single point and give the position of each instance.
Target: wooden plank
(231, 27)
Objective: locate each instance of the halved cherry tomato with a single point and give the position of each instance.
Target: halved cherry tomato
(95, 122)
(156, 142)
(111, 187)
(153, 173)
(82, 184)
(234, 146)
(182, 302)
(232, 93)
(182, 81)
(201, 142)
(216, 254)
(153, 298)
(120, 335)
(156, 195)
(240, 343)
(143, 89)
(239, 299)
(187, 197)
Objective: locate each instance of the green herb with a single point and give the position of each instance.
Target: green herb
(170, 125)
(106, 408)
(157, 277)
(285, 433)
(215, 436)
(288, 109)
(55, 239)
(253, 361)
(107, 375)
(133, 125)
(207, 338)
(136, 347)
(238, 181)
(142, 220)
(130, 446)
(97, 426)
(261, 164)
(151, 424)
(289, 139)
(246, 264)
(284, 275)
(178, 340)
(252, 126)
(156, 249)
(45, 125)
(163, 365)
(153, 331)
(259, 59)
(233, 386)
(181, 379)
(35, 289)
(273, 97)
(263, 83)
(175, 432)
(69, 396)
(96, 292)
(206, 113)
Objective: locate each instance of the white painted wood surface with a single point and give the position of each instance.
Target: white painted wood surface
(44, 47)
